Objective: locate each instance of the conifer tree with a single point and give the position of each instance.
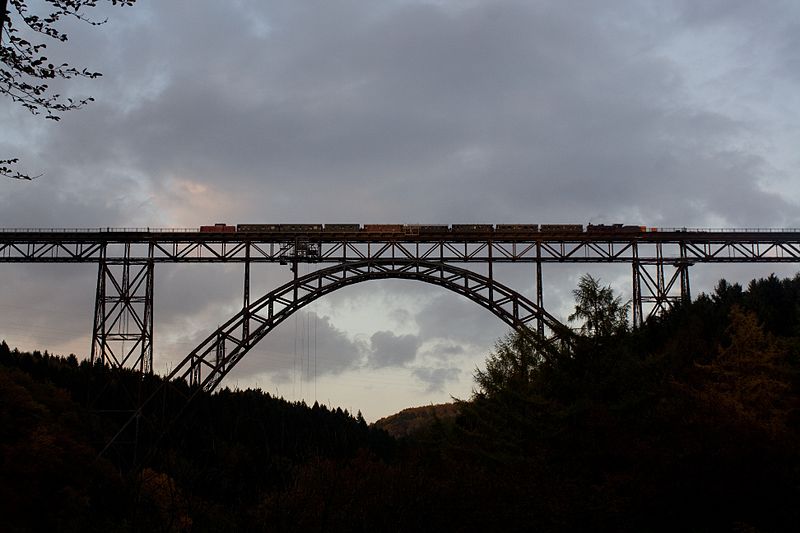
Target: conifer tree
(602, 313)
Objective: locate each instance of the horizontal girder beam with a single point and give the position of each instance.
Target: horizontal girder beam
(187, 247)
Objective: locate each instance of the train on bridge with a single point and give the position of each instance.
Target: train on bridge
(427, 229)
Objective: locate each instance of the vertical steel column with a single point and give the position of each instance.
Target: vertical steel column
(219, 355)
(195, 377)
(294, 271)
(246, 298)
(99, 324)
(539, 292)
(686, 292)
(147, 330)
(491, 272)
(661, 294)
(637, 288)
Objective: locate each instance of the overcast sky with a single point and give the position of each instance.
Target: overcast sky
(662, 113)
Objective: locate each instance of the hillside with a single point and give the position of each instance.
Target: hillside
(413, 419)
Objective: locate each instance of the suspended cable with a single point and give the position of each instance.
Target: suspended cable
(294, 360)
(308, 346)
(315, 356)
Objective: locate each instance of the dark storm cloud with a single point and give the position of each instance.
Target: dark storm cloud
(436, 378)
(47, 306)
(72, 199)
(525, 109)
(302, 348)
(388, 349)
(452, 317)
(184, 292)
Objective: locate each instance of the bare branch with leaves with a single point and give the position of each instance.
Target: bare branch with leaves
(25, 70)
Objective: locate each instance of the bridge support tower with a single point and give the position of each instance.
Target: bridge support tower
(122, 333)
(655, 284)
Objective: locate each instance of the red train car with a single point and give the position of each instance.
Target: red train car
(383, 228)
(219, 227)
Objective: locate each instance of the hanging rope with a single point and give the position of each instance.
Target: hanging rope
(294, 360)
(315, 356)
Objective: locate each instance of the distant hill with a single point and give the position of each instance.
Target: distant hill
(414, 419)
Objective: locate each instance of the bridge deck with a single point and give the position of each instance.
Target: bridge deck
(183, 245)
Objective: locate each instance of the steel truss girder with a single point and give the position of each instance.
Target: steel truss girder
(698, 247)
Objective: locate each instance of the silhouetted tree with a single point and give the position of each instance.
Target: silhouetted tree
(602, 313)
(510, 365)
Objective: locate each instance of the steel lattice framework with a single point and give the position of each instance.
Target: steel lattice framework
(123, 320)
(207, 364)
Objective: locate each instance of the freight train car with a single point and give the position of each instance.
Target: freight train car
(472, 228)
(433, 228)
(615, 228)
(383, 228)
(561, 228)
(219, 227)
(342, 228)
(257, 228)
(517, 228)
(300, 228)
(279, 228)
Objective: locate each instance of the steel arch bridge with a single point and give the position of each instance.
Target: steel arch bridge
(207, 364)
(122, 333)
(205, 367)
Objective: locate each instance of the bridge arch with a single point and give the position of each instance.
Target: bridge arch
(207, 365)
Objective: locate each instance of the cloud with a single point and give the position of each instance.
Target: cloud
(388, 349)
(304, 348)
(512, 104)
(55, 315)
(445, 350)
(436, 378)
(456, 320)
